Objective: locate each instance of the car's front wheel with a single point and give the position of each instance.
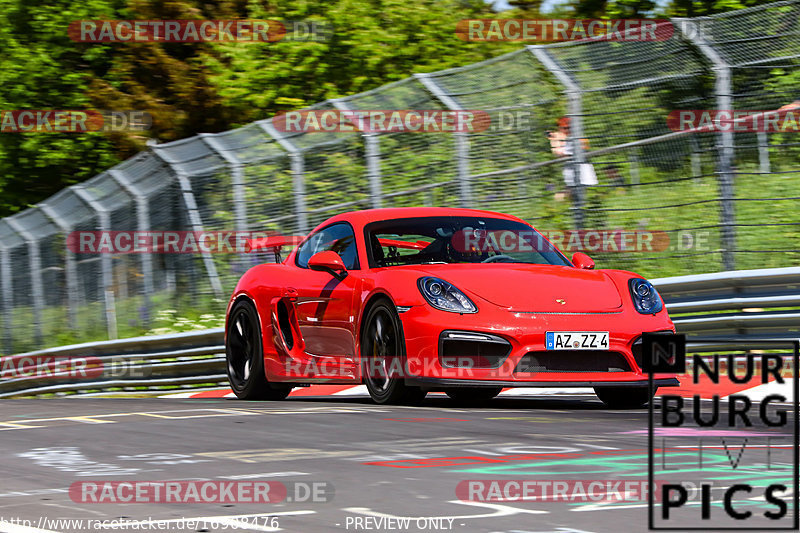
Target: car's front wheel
(244, 355)
(382, 357)
(624, 397)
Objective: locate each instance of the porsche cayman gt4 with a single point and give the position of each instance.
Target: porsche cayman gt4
(412, 300)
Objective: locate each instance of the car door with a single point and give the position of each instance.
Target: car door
(324, 304)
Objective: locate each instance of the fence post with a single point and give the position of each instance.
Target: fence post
(763, 152)
(195, 220)
(372, 151)
(237, 189)
(725, 149)
(237, 179)
(575, 113)
(105, 258)
(372, 155)
(70, 272)
(143, 225)
(35, 264)
(298, 173)
(461, 139)
(111, 315)
(634, 161)
(697, 167)
(7, 290)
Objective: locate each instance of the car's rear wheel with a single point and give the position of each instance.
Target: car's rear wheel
(473, 394)
(244, 354)
(624, 397)
(383, 357)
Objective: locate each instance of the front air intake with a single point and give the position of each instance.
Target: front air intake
(462, 349)
(573, 361)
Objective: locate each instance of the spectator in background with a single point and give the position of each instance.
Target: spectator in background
(562, 147)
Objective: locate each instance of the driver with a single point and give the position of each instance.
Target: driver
(462, 249)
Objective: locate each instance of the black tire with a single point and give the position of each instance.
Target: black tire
(473, 394)
(244, 354)
(624, 397)
(383, 357)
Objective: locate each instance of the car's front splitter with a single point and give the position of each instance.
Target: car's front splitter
(443, 383)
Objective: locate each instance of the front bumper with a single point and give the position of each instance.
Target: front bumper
(443, 383)
(525, 334)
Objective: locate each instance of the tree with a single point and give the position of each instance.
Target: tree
(200, 87)
(699, 8)
(371, 44)
(40, 68)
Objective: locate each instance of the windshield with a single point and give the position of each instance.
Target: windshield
(457, 239)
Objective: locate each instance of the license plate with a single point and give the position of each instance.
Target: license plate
(576, 340)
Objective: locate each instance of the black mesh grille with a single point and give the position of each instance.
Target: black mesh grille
(573, 361)
(473, 353)
(636, 351)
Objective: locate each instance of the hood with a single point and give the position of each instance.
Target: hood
(534, 287)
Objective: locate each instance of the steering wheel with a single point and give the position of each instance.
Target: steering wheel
(498, 257)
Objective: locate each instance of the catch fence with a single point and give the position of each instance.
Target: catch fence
(725, 200)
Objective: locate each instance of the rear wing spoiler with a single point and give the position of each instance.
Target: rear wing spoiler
(274, 243)
(408, 245)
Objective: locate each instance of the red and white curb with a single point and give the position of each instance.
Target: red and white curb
(687, 389)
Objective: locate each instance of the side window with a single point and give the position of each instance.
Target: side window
(338, 238)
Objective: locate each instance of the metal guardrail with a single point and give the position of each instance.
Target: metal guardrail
(745, 305)
(164, 361)
(737, 305)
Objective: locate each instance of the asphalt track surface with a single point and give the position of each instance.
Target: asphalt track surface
(382, 462)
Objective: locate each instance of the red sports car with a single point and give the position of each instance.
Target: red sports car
(412, 300)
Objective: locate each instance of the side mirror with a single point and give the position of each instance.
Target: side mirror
(581, 260)
(330, 262)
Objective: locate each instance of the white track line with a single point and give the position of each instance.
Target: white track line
(180, 395)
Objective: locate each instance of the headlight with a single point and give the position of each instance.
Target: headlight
(444, 296)
(645, 297)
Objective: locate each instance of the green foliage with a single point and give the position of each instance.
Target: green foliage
(193, 88)
(40, 68)
(169, 321)
(371, 43)
(616, 9)
(699, 8)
